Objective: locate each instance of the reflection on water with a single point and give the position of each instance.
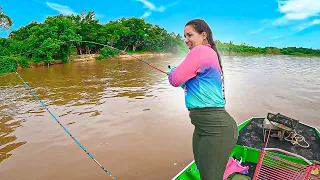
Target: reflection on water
(82, 91)
(6, 140)
(85, 85)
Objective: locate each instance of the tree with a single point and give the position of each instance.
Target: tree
(5, 21)
(137, 32)
(88, 29)
(23, 32)
(47, 49)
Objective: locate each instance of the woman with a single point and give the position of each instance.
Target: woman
(201, 76)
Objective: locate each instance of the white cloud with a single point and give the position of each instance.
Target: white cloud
(316, 21)
(297, 10)
(256, 31)
(276, 37)
(296, 14)
(280, 21)
(307, 25)
(146, 14)
(152, 7)
(65, 10)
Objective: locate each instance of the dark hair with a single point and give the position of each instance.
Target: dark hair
(201, 26)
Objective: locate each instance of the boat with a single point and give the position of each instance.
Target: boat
(272, 147)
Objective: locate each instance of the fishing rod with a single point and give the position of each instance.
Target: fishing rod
(65, 129)
(121, 51)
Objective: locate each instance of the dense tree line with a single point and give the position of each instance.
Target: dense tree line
(226, 48)
(57, 38)
(52, 39)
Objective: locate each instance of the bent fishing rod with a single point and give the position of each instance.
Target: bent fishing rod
(121, 51)
(65, 129)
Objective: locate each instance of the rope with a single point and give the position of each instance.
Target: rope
(65, 129)
(296, 139)
(266, 144)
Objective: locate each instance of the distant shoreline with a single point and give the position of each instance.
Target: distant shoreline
(91, 57)
(256, 53)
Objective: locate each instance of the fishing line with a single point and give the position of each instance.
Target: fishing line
(121, 51)
(65, 129)
(55, 118)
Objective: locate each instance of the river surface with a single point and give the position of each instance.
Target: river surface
(128, 116)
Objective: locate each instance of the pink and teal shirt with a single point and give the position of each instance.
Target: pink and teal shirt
(200, 76)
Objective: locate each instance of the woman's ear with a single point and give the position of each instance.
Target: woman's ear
(204, 35)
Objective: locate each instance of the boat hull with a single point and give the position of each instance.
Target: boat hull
(249, 154)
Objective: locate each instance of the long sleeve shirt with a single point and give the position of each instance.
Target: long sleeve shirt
(200, 76)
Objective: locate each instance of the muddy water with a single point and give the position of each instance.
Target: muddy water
(128, 116)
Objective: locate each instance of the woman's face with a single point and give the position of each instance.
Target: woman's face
(192, 37)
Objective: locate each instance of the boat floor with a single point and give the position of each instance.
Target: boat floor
(252, 136)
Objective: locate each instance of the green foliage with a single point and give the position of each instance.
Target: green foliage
(106, 53)
(23, 61)
(98, 58)
(51, 40)
(65, 59)
(8, 64)
(5, 21)
(228, 48)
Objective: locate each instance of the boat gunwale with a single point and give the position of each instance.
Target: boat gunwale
(316, 129)
(246, 121)
(183, 170)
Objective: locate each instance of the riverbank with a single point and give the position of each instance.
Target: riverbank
(144, 55)
(92, 57)
(258, 53)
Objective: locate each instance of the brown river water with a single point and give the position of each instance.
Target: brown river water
(128, 116)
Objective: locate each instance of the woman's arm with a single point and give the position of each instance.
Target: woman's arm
(187, 69)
